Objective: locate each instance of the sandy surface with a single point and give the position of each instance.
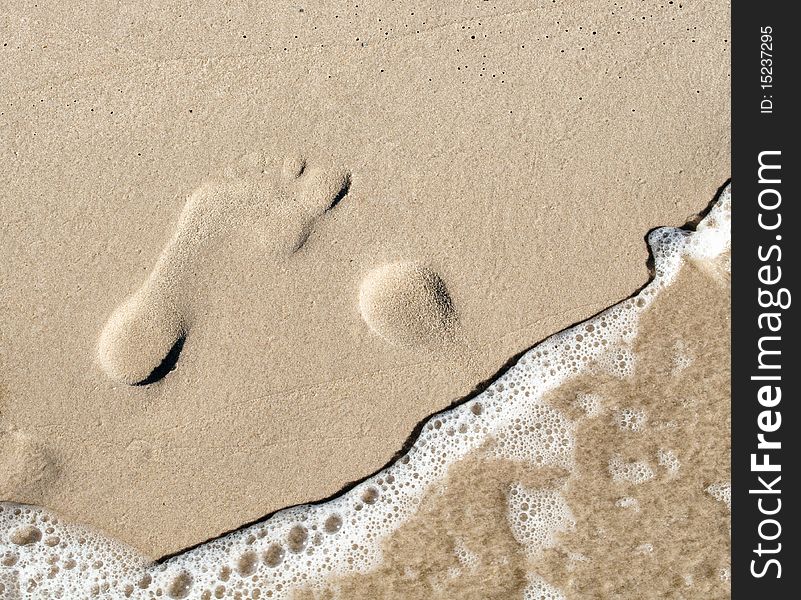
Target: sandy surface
(500, 163)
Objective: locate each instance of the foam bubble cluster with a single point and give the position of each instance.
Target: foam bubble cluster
(681, 357)
(540, 436)
(537, 516)
(42, 557)
(539, 589)
(721, 492)
(629, 472)
(629, 503)
(630, 419)
(712, 236)
(669, 460)
(468, 559)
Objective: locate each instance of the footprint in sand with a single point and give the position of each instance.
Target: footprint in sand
(26, 467)
(408, 304)
(279, 203)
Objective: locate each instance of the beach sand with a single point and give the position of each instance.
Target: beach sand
(334, 221)
(666, 537)
(595, 466)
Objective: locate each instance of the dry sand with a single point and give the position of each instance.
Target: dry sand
(501, 161)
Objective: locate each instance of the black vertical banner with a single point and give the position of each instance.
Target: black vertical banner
(766, 425)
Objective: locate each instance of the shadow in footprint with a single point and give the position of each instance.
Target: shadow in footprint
(336, 189)
(340, 195)
(167, 365)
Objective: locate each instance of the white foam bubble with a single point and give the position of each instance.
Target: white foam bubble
(541, 436)
(304, 546)
(41, 557)
(619, 361)
(630, 419)
(539, 589)
(536, 517)
(628, 502)
(721, 492)
(645, 548)
(681, 357)
(712, 236)
(635, 472)
(669, 460)
(468, 559)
